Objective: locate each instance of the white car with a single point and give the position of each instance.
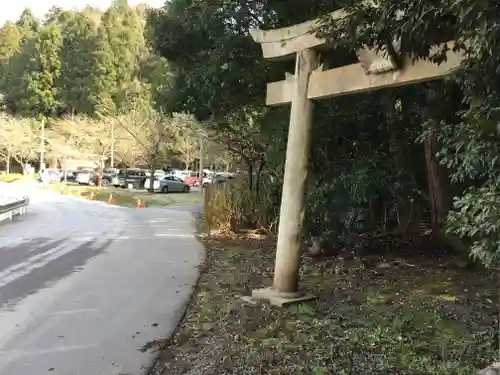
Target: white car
(216, 178)
(49, 175)
(85, 176)
(178, 173)
(158, 173)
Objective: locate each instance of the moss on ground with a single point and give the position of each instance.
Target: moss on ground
(405, 317)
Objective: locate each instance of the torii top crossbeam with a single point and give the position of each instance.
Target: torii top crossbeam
(374, 70)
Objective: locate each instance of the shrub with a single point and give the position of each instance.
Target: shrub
(233, 206)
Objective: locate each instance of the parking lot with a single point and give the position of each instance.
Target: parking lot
(125, 197)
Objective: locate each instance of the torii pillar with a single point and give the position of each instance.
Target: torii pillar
(286, 273)
(310, 82)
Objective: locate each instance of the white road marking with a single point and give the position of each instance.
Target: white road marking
(73, 312)
(29, 262)
(24, 268)
(185, 235)
(57, 349)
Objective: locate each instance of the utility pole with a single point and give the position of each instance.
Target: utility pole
(112, 144)
(42, 146)
(202, 152)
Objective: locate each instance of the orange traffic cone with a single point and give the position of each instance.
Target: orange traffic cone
(110, 199)
(91, 196)
(139, 204)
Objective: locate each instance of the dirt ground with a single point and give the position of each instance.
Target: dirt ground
(382, 315)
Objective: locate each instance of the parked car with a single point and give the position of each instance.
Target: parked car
(216, 178)
(69, 175)
(50, 175)
(177, 173)
(86, 176)
(131, 177)
(192, 179)
(157, 173)
(168, 184)
(108, 175)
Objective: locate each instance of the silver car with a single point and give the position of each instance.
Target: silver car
(168, 184)
(84, 176)
(50, 175)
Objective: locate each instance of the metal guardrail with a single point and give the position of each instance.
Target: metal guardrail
(16, 207)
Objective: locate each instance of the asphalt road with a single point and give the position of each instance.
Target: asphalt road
(84, 285)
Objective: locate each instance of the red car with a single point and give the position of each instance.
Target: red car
(192, 178)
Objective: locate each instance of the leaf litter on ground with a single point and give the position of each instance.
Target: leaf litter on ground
(390, 316)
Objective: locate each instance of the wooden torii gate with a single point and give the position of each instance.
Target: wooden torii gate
(312, 82)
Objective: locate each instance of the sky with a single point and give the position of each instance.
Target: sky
(10, 10)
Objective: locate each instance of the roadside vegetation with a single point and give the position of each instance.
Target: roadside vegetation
(10, 177)
(386, 314)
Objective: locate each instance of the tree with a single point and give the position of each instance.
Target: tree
(124, 33)
(186, 137)
(103, 85)
(78, 65)
(10, 44)
(81, 137)
(360, 179)
(10, 40)
(151, 131)
(36, 93)
(18, 139)
(28, 24)
(466, 128)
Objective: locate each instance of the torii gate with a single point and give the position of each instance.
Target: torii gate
(311, 82)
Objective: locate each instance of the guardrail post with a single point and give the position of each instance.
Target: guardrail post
(14, 207)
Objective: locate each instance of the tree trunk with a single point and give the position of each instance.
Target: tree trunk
(437, 183)
(257, 179)
(53, 162)
(401, 156)
(437, 177)
(100, 172)
(152, 168)
(152, 165)
(250, 174)
(7, 162)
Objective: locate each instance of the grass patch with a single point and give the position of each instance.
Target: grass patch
(11, 177)
(416, 318)
(124, 197)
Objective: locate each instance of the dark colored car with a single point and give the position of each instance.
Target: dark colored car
(133, 177)
(69, 175)
(109, 174)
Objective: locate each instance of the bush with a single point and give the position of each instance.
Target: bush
(476, 217)
(233, 206)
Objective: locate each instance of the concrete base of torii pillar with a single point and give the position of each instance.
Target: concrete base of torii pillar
(279, 299)
(286, 277)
